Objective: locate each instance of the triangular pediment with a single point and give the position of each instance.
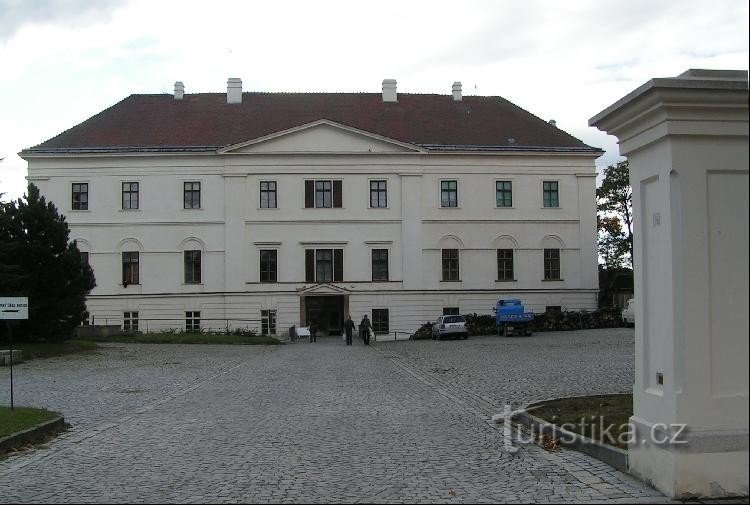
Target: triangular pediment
(324, 289)
(322, 137)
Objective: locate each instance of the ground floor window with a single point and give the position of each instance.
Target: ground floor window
(553, 309)
(380, 321)
(451, 311)
(130, 321)
(193, 320)
(268, 322)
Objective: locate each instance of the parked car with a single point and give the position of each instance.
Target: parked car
(450, 326)
(628, 313)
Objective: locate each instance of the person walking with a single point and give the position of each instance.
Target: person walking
(364, 329)
(313, 331)
(348, 329)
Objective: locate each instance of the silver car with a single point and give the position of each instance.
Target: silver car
(450, 326)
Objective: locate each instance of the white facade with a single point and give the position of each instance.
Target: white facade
(230, 228)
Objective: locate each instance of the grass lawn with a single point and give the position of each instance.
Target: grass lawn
(21, 419)
(32, 350)
(188, 338)
(588, 416)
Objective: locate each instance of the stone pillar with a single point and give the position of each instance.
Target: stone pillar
(687, 142)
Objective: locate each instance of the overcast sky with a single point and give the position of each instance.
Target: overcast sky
(62, 61)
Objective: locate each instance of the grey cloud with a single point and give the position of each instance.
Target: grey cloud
(14, 14)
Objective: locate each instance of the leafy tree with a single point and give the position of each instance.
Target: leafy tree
(614, 202)
(38, 261)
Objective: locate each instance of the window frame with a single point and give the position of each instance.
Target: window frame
(449, 191)
(378, 322)
(311, 264)
(547, 202)
(130, 320)
(505, 198)
(130, 192)
(450, 273)
(192, 320)
(378, 192)
(268, 320)
(189, 266)
(549, 269)
(128, 270)
(192, 192)
(450, 311)
(268, 192)
(504, 271)
(267, 271)
(373, 260)
(79, 204)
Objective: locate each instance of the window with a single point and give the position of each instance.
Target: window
(192, 192)
(130, 274)
(85, 258)
(268, 322)
(323, 194)
(268, 265)
(380, 321)
(449, 193)
(504, 193)
(550, 194)
(192, 267)
(80, 196)
(324, 265)
(551, 264)
(129, 195)
(450, 264)
(130, 321)
(451, 311)
(505, 265)
(380, 264)
(378, 194)
(193, 320)
(553, 309)
(267, 194)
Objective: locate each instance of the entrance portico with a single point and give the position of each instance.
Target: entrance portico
(327, 305)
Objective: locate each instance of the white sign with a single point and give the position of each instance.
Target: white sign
(14, 308)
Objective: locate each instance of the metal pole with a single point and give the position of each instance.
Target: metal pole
(10, 339)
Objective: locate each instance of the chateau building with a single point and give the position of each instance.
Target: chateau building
(267, 210)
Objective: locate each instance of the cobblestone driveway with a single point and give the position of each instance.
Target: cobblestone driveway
(401, 421)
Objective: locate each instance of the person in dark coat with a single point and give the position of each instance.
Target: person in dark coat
(364, 329)
(348, 329)
(313, 331)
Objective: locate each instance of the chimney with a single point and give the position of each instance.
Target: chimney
(553, 122)
(389, 90)
(179, 90)
(234, 90)
(457, 92)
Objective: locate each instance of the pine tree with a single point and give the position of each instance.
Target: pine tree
(38, 261)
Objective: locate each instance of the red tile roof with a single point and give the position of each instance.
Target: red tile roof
(204, 121)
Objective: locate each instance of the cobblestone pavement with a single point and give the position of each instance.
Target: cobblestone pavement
(396, 422)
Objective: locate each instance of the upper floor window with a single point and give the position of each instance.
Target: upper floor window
(550, 195)
(380, 264)
(85, 258)
(450, 265)
(505, 264)
(130, 268)
(323, 194)
(192, 267)
(551, 264)
(268, 265)
(504, 193)
(378, 194)
(129, 195)
(449, 193)
(324, 265)
(267, 194)
(192, 193)
(80, 196)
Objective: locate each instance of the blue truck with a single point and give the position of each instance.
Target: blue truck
(512, 319)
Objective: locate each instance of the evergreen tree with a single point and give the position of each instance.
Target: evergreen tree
(37, 261)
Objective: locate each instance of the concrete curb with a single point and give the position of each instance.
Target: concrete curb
(33, 434)
(614, 457)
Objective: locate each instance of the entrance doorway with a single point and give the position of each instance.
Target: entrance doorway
(327, 311)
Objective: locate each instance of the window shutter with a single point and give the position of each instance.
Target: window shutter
(309, 265)
(337, 194)
(309, 194)
(338, 265)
